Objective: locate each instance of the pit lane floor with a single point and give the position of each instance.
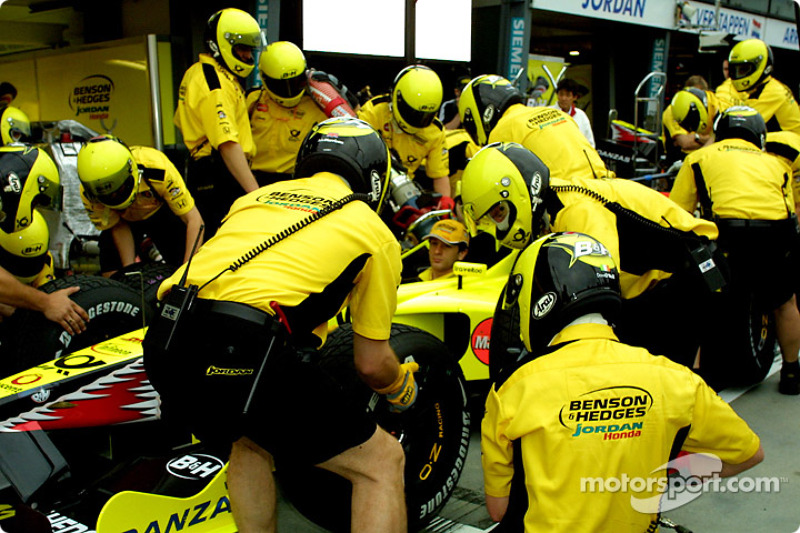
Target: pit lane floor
(765, 499)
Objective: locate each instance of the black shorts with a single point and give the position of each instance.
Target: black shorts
(298, 412)
(762, 259)
(213, 188)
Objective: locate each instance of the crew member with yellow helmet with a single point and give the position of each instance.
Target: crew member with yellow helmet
(281, 112)
(689, 119)
(212, 115)
(492, 110)
(124, 191)
(751, 65)
(15, 126)
(407, 120)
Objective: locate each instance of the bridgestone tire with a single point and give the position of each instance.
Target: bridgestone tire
(113, 309)
(743, 347)
(147, 275)
(434, 432)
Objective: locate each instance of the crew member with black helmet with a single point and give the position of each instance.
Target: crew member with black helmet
(747, 193)
(750, 66)
(268, 302)
(407, 120)
(281, 113)
(212, 115)
(492, 110)
(124, 190)
(507, 191)
(581, 405)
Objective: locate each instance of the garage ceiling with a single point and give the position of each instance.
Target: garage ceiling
(35, 24)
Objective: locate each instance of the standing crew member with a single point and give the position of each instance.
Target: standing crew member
(548, 425)
(281, 113)
(124, 191)
(751, 66)
(492, 110)
(747, 192)
(407, 121)
(212, 115)
(266, 302)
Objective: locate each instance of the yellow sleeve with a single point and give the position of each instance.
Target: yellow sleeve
(374, 298)
(717, 429)
(438, 161)
(218, 115)
(496, 449)
(684, 188)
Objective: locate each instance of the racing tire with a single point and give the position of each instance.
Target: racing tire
(113, 308)
(145, 276)
(435, 432)
(742, 348)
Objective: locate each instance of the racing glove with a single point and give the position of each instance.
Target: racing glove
(447, 203)
(402, 393)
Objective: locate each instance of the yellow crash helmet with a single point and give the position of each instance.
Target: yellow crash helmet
(230, 32)
(282, 66)
(15, 126)
(690, 109)
(108, 172)
(558, 278)
(416, 97)
(482, 102)
(749, 64)
(502, 192)
(24, 253)
(29, 179)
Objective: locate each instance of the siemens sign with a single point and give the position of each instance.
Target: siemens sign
(516, 47)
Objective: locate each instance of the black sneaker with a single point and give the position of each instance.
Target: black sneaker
(790, 379)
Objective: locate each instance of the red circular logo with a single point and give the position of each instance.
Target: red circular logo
(481, 336)
(27, 379)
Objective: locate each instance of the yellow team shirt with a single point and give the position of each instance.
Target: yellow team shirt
(743, 181)
(279, 131)
(426, 145)
(774, 101)
(460, 149)
(554, 136)
(599, 409)
(159, 183)
(212, 109)
(348, 255)
(727, 95)
(637, 260)
(786, 146)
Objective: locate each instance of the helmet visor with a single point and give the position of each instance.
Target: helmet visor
(22, 267)
(121, 197)
(742, 70)
(254, 40)
(19, 130)
(493, 221)
(414, 117)
(692, 120)
(286, 88)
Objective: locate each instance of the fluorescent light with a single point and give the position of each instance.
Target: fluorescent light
(574, 53)
(326, 29)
